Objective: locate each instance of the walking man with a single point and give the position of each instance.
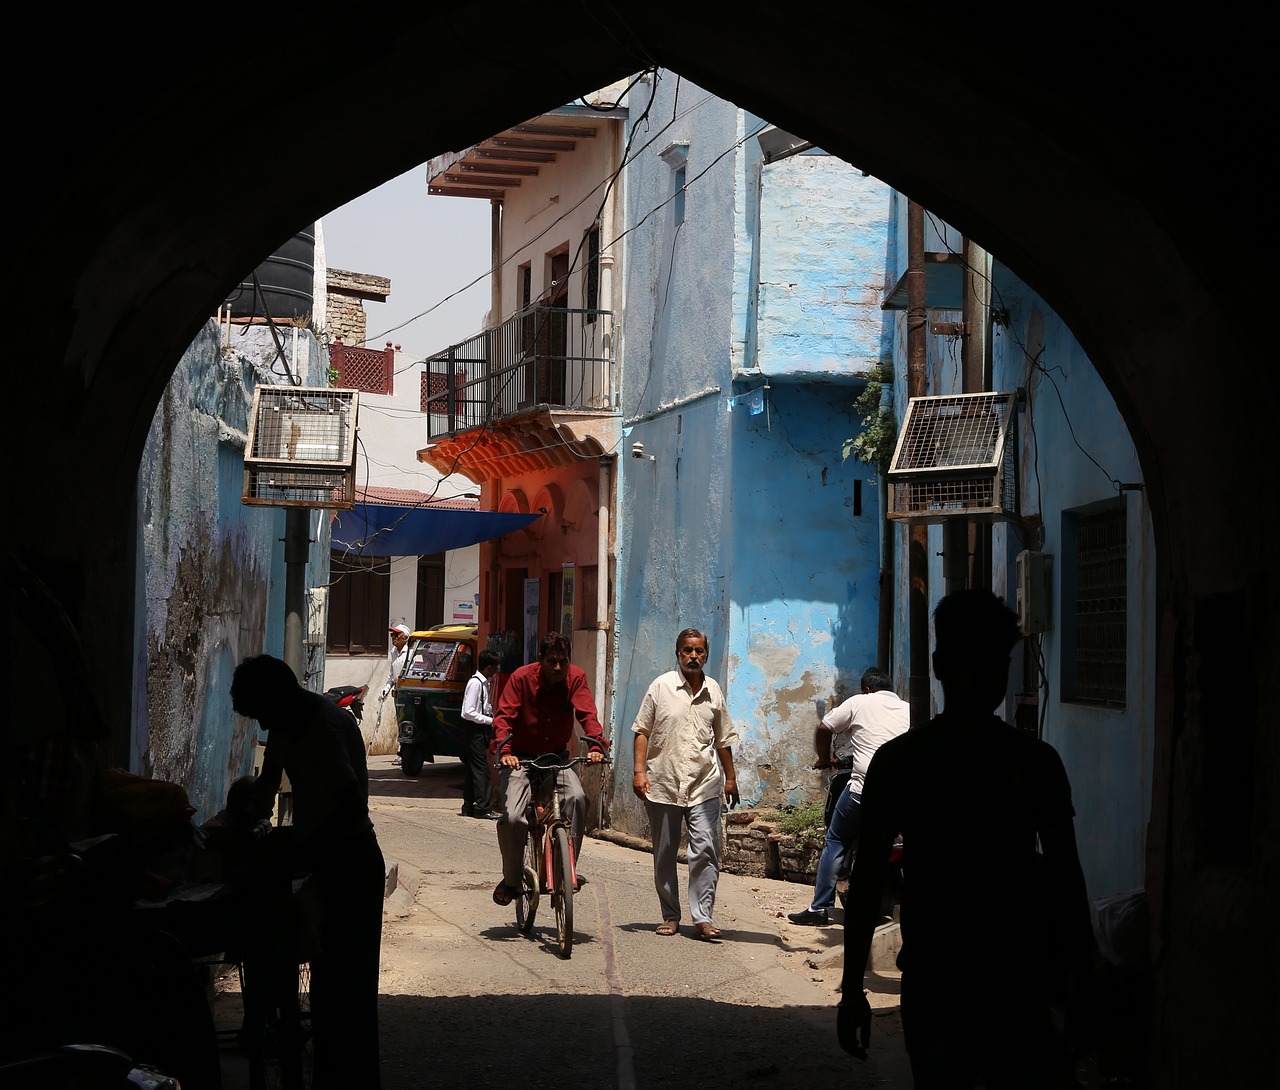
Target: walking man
(537, 712)
(477, 712)
(683, 768)
(869, 719)
(957, 788)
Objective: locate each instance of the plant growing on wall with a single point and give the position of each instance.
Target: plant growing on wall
(874, 442)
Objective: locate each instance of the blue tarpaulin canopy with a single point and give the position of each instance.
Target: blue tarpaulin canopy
(378, 529)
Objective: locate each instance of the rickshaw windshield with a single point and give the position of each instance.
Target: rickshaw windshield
(436, 660)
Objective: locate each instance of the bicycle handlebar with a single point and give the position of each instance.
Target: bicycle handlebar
(555, 764)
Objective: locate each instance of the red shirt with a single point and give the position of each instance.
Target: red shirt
(537, 718)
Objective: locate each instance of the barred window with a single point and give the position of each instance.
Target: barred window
(1095, 599)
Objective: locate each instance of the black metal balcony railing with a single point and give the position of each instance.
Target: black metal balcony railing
(553, 357)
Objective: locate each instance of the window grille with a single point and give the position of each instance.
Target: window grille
(1101, 607)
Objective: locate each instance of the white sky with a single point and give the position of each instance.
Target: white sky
(429, 247)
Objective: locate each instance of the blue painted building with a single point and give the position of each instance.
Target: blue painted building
(753, 271)
(210, 585)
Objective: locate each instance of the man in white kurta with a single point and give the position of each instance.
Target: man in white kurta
(683, 769)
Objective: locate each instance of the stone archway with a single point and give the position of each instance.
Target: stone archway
(1088, 159)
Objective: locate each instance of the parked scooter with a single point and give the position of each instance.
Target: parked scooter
(350, 697)
(73, 1066)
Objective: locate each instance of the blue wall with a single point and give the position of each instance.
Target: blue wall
(743, 525)
(211, 571)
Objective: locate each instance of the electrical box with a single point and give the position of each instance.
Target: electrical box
(317, 600)
(1032, 572)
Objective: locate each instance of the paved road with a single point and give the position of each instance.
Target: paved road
(467, 1001)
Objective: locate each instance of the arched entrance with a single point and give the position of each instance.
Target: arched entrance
(1090, 162)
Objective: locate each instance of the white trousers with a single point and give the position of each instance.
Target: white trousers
(703, 822)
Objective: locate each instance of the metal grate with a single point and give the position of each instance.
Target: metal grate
(955, 457)
(301, 447)
(1101, 607)
(370, 370)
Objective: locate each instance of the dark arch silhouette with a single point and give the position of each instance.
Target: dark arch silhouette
(1115, 167)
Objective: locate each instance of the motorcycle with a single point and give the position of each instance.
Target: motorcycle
(99, 1066)
(350, 697)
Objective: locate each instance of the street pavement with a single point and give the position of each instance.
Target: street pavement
(466, 1000)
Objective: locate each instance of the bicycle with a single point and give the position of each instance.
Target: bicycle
(549, 863)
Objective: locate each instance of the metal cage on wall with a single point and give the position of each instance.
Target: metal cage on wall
(301, 450)
(956, 456)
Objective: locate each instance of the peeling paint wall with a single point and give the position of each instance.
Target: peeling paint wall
(750, 527)
(211, 573)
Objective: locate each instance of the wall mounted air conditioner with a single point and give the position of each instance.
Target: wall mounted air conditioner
(301, 450)
(956, 457)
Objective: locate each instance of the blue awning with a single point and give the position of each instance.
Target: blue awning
(377, 529)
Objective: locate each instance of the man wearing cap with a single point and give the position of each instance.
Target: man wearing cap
(399, 644)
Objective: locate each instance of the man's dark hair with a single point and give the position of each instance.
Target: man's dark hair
(691, 634)
(489, 657)
(554, 641)
(261, 684)
(875, 679)
(977, 620)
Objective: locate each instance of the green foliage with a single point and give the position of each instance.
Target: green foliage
(798, 819)
(874, 443)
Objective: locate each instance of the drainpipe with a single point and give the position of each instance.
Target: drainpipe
(495, 263)
(918, 541)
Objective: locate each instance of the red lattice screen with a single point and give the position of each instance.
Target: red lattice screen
(434, 386)
(370, 370)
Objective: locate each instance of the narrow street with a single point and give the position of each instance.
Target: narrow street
(468, 1001)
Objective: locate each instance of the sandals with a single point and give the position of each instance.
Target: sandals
(705, 931)
(504, 894)
(668, 927)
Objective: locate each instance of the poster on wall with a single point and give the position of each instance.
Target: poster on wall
(464, 612)
(566, 602)
(532, 599)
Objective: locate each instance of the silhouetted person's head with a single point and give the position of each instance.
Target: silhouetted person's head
(262, 688)
(974, 635)
(874, 680)
(490, 659)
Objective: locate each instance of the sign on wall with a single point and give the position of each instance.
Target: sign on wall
(464, 612)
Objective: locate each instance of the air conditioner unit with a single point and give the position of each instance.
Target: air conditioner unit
(956, 457)
(301, 450)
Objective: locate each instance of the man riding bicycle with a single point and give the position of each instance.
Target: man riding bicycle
(535, 715)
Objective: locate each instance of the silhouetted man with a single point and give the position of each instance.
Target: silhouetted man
(320, 747)
(990, 926)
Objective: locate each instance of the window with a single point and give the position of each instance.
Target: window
(359, 604)
(1095, 603)
(429, 606)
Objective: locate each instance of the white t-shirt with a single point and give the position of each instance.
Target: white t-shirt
(870, 720)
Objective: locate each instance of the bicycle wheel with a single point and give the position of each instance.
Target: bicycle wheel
(562, 893)
(527, 902)
(278, 1038)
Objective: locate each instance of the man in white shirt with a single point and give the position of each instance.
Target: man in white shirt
(870, 718)
(477, 712)
(399, 648)
(683, 768)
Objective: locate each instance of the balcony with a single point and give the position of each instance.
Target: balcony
(544, 359)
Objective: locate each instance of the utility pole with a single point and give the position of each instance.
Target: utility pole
(918, 542)
(966, 548)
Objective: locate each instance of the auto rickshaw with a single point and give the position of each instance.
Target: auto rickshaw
(437, 665)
